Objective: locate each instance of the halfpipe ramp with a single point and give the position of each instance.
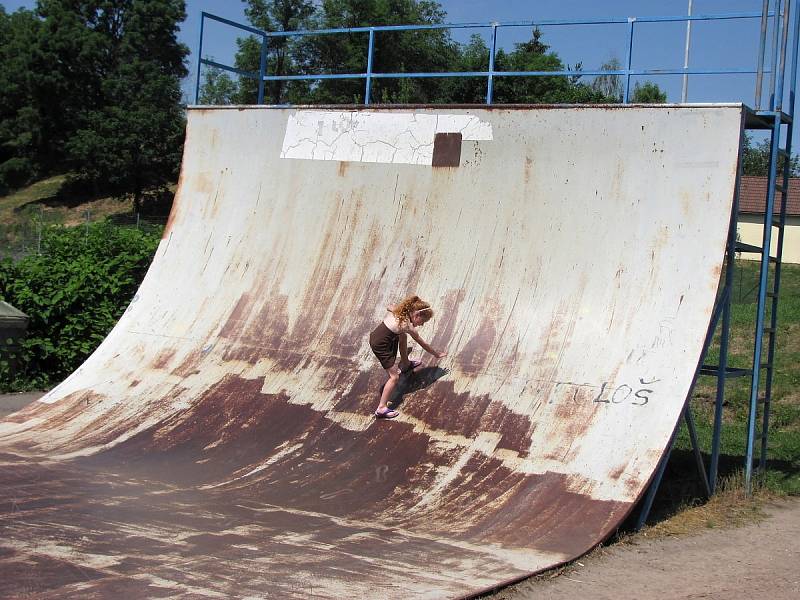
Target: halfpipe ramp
(221, 442)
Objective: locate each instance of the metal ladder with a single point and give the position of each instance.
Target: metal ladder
(767, 307)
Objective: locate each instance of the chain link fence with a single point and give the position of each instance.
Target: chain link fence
(25, 237)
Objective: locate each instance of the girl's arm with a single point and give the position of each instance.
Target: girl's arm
(425, 345)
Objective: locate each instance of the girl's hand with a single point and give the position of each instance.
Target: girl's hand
(440, 354)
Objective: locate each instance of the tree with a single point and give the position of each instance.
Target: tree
(609, 85)
(217, 87)
(472, 56)
(273, 15)
(93, 87)
(534, 55)
(395, 51)
(755, 159)
(130, 128)
(648, 93)
(398, 52)
(22, 141)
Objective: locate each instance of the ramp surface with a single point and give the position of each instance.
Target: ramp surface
(220, 441)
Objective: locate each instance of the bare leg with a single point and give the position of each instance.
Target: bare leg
(394, 375)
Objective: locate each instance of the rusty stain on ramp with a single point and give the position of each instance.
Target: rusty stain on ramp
(220, 442)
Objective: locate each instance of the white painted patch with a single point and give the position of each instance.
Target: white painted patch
(397, 138)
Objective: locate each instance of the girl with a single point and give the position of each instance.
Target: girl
(400, 322)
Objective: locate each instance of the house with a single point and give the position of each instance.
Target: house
(752, 200)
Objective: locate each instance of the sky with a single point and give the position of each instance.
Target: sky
(714, 45)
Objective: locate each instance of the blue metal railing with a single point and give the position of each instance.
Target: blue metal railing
(776, 74)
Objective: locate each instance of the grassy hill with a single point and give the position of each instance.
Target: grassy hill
(24, 212)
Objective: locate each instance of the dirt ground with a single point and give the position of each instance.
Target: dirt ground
(760, 560)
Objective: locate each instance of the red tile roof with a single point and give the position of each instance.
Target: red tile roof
(753, 196)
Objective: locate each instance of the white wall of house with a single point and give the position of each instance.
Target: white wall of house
(751, 231)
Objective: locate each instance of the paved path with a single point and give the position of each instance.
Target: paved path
(13, 402)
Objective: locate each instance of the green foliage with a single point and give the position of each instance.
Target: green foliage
(755, 159)
(282, 52)
(74, 293)
(93, 87)
(217, 88)
(21, 130)
(395, 51)
(130, 139)
(425, 51)
(610, 85)
(648, 93)
(535, 55)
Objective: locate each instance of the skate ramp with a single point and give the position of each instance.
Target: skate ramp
(220, 442)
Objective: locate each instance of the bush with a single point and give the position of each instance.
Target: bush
(15, 172)
(74, 292)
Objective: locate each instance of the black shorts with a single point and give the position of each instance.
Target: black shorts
(384, 343)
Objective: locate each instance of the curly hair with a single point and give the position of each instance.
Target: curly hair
(409, 306)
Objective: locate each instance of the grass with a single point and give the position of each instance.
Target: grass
(681, 493)
(25, 211)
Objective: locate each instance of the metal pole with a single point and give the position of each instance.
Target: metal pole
(775, 36)
(724, 338)
(762, 296)
(701, 470)
(490, 85)
(793, 73)
(199, 59)
(262, 70)
(762, 44)
(655, 483)
(628, 59)
(782, 68)
(369, 64)
(684, 92)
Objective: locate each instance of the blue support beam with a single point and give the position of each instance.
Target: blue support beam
(491, 74)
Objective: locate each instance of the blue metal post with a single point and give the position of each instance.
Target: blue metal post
(725, 299)
(492, 51)
(628, 60)
(262, 70)
(199, 59)
(369, 64)
(698, 457)
(779, 90)
(762, 296)
(762, 45)
(776, 26)
(793, 75)
(655, 482)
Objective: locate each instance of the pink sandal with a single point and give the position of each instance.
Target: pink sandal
(387, 414)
